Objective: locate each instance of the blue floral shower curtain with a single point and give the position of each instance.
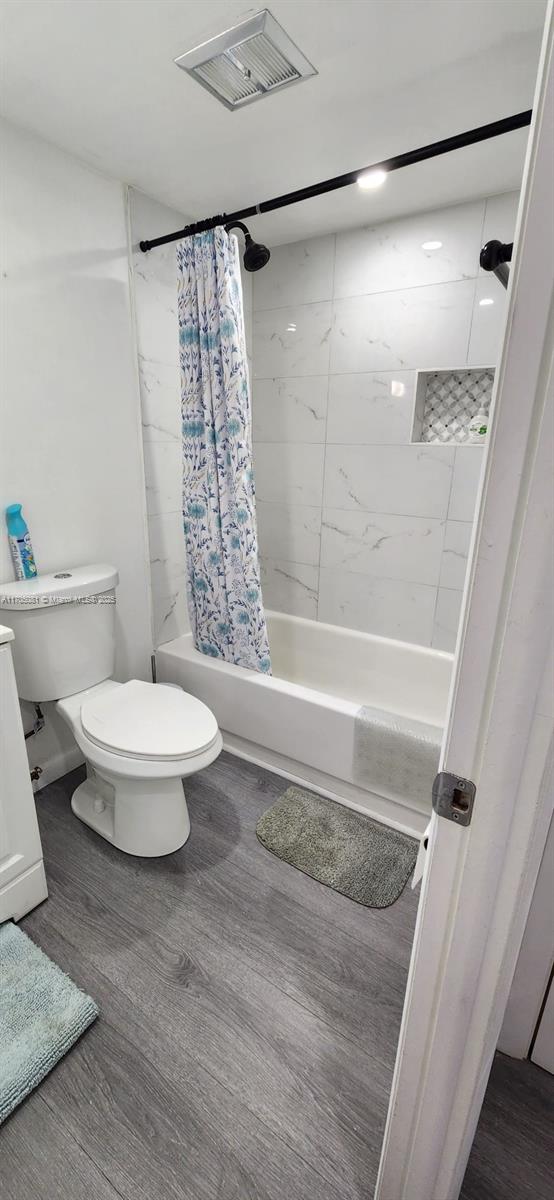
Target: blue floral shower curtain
(225, 599)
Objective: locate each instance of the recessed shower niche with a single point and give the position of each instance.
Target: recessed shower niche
(446, 401)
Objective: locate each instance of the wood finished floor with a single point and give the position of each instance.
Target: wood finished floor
(248, 1027)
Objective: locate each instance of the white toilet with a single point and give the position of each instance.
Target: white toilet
(139, 739)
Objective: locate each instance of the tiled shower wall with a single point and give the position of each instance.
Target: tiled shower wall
(154, 288)
(357, 525)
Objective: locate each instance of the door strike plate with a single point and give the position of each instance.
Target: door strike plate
(453, 797)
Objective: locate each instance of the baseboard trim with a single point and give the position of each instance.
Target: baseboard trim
(23, 893)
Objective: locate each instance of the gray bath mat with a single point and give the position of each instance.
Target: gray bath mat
(42, 1013)
(339, 847)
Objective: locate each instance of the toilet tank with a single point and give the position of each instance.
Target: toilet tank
(64, 626)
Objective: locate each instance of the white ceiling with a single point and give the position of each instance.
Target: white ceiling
(97, 78)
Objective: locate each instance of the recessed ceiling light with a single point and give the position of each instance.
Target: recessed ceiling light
(291, 328)
(397, 388)
(486, 300)
(431, 245)
(371, 179)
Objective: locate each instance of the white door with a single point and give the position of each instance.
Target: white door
(479, 879)
(22, 879)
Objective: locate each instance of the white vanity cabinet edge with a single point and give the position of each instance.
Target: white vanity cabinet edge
(22, 878)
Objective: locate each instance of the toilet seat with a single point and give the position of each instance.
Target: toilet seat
(149, 721)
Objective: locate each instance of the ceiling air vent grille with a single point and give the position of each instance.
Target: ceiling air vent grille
(247, 62)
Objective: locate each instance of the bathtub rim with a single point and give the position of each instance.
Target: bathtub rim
(360, 635)
(280, 682)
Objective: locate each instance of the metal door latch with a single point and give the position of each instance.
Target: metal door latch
(453, 797)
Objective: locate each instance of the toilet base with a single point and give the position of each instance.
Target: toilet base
(147, 818)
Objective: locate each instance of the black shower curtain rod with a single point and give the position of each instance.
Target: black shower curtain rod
(494, 129)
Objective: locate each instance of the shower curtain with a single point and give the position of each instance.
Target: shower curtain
(224, 593)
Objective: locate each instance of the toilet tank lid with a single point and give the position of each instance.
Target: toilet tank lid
(60, 587)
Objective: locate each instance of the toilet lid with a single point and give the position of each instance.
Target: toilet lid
(147, 720)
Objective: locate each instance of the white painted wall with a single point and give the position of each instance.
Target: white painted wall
(358, 526)
(70, 447)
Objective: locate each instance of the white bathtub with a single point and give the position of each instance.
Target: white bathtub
(302, 721)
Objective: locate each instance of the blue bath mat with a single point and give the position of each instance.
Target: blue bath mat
(42, 1013)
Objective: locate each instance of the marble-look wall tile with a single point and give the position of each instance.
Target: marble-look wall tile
(371, 408)
(154, 280)
(249, 338)
(247, 305)
(397, 516)
(170, 617)
(160, 396)
(447, 619)
(381, 545)
(465, 483)
(292, 341)
(288, 472)
(247, 283)
(289, 531)
(388, 607)
(298, 273)
(162, 469)
(500, 219)
(290, 410)
(391, 255)
(290, 587)
(167, 553)
(406, 480)
(488, 322)
(416, 327)
(457, 537)
(155, 283)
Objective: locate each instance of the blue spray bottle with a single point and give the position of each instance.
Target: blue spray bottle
(20, 543)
